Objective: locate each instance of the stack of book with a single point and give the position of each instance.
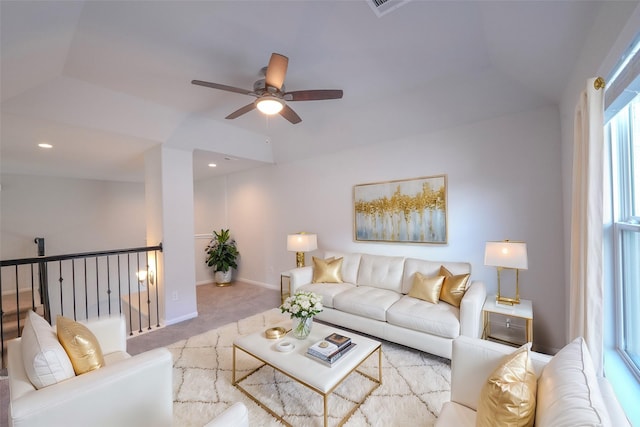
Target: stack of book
(331, 349)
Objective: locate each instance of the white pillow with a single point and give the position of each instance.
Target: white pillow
(43, 357)
(568, 390)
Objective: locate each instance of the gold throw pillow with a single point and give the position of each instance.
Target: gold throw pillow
(508, 398)
(81, 345)
(327, 270)
(426, 288)
(454, 287)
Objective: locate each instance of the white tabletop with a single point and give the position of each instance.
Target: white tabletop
(523, 310)
(297, 364)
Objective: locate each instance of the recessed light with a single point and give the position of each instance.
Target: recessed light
(45, 145)
(212, 165)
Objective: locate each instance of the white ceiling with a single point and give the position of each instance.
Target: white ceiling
(104, 81)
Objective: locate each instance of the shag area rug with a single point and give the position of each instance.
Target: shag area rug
(414, 384)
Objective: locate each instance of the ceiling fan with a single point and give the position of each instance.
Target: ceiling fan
(270, 92)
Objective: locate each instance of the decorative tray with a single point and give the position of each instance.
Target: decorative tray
(275, 333)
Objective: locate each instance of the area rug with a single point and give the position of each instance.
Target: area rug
(414, 384)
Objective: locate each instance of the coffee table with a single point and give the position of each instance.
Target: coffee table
(304, 370)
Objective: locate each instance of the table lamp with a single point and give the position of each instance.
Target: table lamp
(301, 243)
(510, 255)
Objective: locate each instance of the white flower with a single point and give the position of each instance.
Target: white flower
(302, 304)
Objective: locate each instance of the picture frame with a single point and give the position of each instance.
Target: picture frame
(402, 211)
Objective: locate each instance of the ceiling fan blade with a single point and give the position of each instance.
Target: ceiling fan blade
(290, 115)
(276, 70)
(312, 95)
(223, 87)
(241, 111)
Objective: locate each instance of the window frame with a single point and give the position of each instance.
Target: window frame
(624, 220)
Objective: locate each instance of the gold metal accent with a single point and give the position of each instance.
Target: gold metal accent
(284, 292)
(275, 333)
(599, 83)
(377, 382)
(504, 300)
(299, 259)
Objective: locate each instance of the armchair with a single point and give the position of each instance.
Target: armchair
(127, 391)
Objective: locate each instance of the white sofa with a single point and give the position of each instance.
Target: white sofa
(373, 299)
(568, 394)
(128, 391)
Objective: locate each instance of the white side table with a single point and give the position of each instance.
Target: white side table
(523, 311)
(285, 291)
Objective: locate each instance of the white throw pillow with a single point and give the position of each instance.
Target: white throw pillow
(43, 357)
(568, 390)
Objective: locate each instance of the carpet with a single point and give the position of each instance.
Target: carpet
(414, 384)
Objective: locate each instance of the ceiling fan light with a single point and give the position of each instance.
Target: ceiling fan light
(269, 105)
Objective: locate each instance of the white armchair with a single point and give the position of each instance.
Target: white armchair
(569, 394)
(235, 415)
(127, 391)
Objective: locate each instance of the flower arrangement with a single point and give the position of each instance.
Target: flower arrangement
(302, 305)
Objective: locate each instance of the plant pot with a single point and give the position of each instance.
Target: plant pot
(222, 278)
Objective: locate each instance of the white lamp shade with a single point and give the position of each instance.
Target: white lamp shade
(302, 242)
(506, 254)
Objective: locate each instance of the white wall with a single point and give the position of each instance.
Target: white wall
(72, 215)
(504, 181)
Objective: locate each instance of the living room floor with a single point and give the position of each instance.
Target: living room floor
(217, 306)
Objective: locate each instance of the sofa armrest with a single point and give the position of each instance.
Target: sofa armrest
(300, 277)
(471, 310)
(111, 332)
(135, 391)
(473, 360)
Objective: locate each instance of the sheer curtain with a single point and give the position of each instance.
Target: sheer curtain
(586, 314)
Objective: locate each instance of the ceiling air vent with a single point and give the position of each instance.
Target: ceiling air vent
(382, 7)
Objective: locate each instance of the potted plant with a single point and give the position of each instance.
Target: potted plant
(222, 255)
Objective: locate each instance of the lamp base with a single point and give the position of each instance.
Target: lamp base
(299, 259)
(507, 301)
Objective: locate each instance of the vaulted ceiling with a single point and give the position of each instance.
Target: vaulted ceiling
(104, 81)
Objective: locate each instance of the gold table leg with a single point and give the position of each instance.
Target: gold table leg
(377, 381)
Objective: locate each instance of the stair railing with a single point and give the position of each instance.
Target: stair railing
(81, 286)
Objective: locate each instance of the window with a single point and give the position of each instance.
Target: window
(623, 134)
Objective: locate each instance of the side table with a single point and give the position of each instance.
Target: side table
(285, 291)
(508, 329)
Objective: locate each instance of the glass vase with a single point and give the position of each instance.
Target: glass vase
(301, 327)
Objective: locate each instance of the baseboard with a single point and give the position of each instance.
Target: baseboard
(264, 285)
(191, 315)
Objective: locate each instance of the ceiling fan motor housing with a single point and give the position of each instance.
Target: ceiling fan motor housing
(260, 87)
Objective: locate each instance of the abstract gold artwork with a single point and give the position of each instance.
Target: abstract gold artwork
(412, 211)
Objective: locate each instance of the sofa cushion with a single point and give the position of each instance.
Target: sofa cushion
(436, 319)
(508, 397)
(327, 270)
(429, 269)
(45, 360)
(384, 272)
(366, 301)
(350, 265)
(426, 288)
(454, 287)
(568, 390)
(81, 345)
(327, 291)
